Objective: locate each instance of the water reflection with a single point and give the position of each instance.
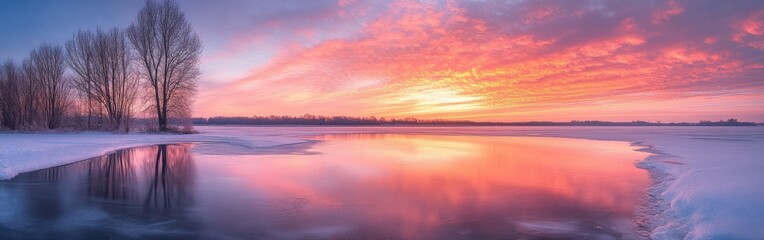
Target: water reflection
(104, 195)
(371, 186)
(360, 186)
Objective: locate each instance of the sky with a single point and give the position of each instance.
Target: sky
(483, 60)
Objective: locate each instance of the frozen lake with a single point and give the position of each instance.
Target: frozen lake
(340, 186)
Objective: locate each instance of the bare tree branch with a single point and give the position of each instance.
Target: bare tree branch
(168, 50)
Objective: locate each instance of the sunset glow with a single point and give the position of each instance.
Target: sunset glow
(482, 60)
(434, 180)
(382, 119)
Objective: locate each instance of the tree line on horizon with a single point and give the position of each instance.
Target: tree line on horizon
(100, 79)
(309, 119)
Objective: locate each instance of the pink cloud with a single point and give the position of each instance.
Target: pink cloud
(445, 61)
(671, 9)
(750, 30)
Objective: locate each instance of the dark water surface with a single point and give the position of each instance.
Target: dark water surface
(359, 186)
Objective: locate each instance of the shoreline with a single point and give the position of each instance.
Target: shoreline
(681, 168)
(650, 214)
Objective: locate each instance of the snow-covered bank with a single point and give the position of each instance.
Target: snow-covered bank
(24, 152)
(711, 177)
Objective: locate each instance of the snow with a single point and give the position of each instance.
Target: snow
(708, 180)
(24, 152)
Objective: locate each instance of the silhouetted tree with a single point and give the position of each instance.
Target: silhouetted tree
(10, 95)
(80, 58)
(105, 73)
(168, 52)
(47, 67)
(31, 91)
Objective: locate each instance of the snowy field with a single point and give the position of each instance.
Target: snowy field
(709, 180)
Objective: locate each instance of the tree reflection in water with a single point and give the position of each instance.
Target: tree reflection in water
(156, 177)
(361, 186)
(146, 184)
(171, 180)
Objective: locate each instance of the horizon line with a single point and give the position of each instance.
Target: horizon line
(478, 121)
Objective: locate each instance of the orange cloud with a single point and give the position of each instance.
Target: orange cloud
(444, 60)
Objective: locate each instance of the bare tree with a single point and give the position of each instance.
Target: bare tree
(79, 58)
(31, 101)
(168, 51)
(10, 95)
(118, 83)
(105, 74)
(47, 67)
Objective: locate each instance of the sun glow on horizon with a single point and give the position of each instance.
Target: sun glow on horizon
(494, 61)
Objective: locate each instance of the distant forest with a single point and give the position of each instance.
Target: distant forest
(309, 119)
